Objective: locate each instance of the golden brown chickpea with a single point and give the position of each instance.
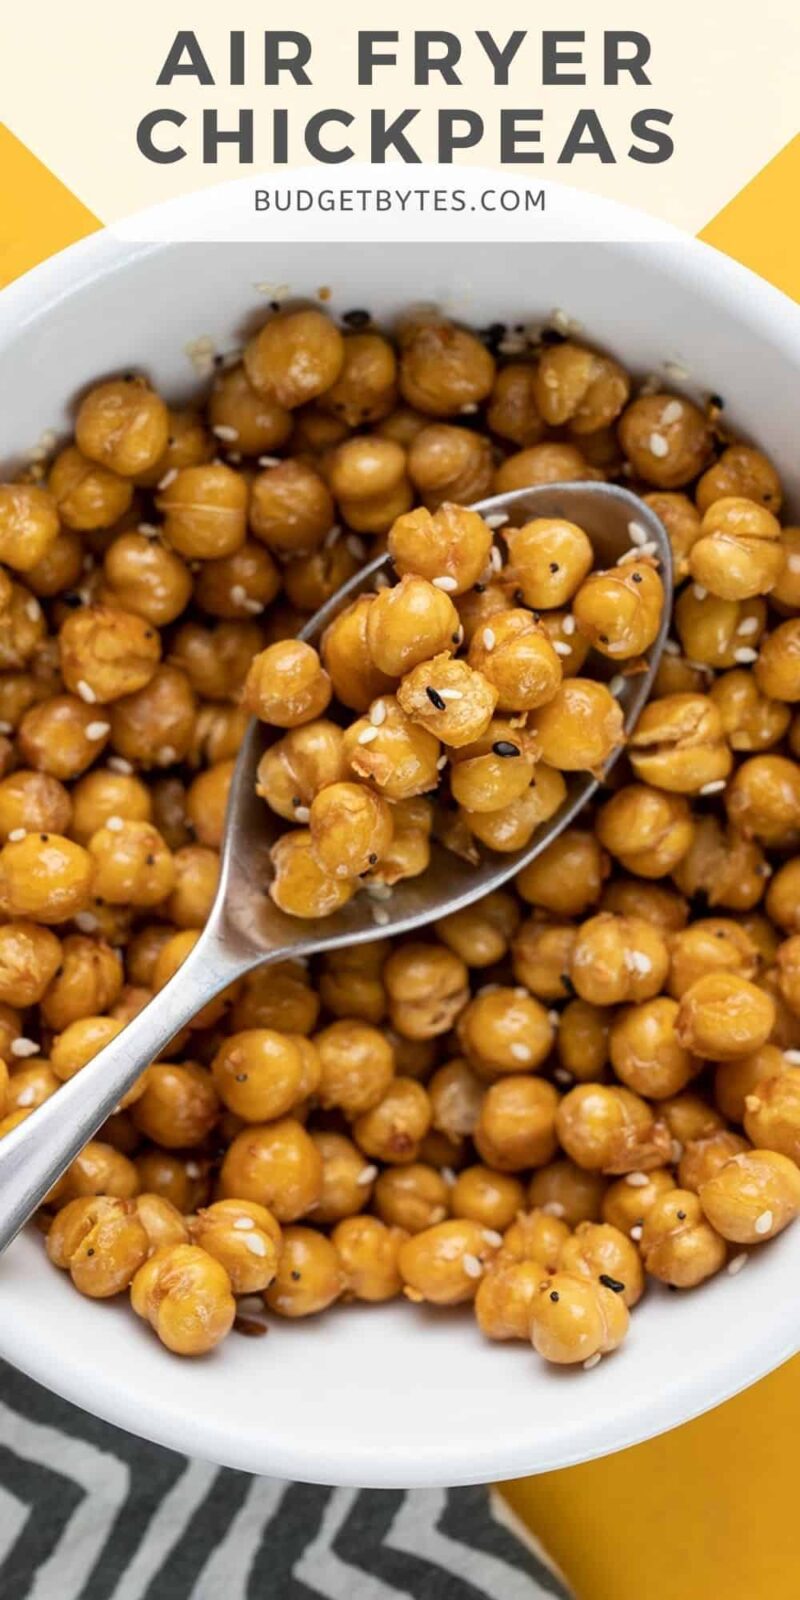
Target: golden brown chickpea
(123, 425)
(456, 1095)
(542, 953)
(515, 654)
(763, 798)
(625, 1206)
(365, 466)
(350, 982)
(580, 727)
(682, 522)
(204, 510)
(287, 685)
(294, 770)
(567, 878)
(216, 661)
(295, 357)
(713, 944)
(580, 387)
(444, 1264)
(751, 721)
(155, 726)
(742, 471)
(645, 1052)
(537, 1235)
(497, 769)
(311, 580)
(10, 1029)
(753, 1196)
(448, 547)
(409, 623)
(144, 577)
(679, 744)
(491, 1198)
(512, 826)
(505, 1296)
(678, 1245)
(676, 675)
(103, 794)
(29, 525)
(582, 1040)
(368, 1251)
(366, 388)
(689, 1117)
(35, 801)
(786, 1030)
(358, 1066)
(79, 1042)
(646, 829)
(196, 880)
(772, 1112)
(785, 596)
(29, 958)
(244, 1238)
(30, 1087)
(574, 1319)
(142, 953)
(427, 987)
(161, 1220)
(512, 411)
(179, 1106)
(98, 1170)
(106, 653)
(446, 463)
(189, 445)
(618, 959)
(258, 1074)
(481, 934)
(181, 1181)
(723, 865)
(347, 1179)
(548, 561)
(735, 1081)
(291, 508)
(479, 605)
(88, 496)
(218, 734)
(402, 424)
(244, 420)
(777, 670)
(723, 1015)
(738, 554)
(62, 736)
(44, 876)
(300, 886)
(449, 699)
(516, 1126)
(131, 864)
(393, 1130)
(413, 1197)
(566, 1193)
(277, 1165)
(667, 439)
(652, 901)
(351, 828)
(716, 632)
(783, 895)
(443, 369)
(239, 585)
(59, 569)
(619, 611)
(549, 462)
(186, 1297)
(571, 647)
(207, 801)
(609, 1129)
(310, 1275)
(22, 638)
(396, 755)
(101, 1243)
(345, 653)
(703, 1158)
(598, 1250)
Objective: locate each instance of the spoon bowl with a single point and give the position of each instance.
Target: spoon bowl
(245, 929)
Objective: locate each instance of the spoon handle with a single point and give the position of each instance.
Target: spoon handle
(36, 1152)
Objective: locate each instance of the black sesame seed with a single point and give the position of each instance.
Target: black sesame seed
(129, 377)
(554, 566)
(44, 837)
(296, 801)
(552, 336)
(241, 1077)
(612, 1283)
(717, 402)
(150, 861)
(72, 600)
(604, 638)
(356, 319)
(274, 305)
(504, 747)
(479, 588)
(637, 577)
(373, 859)
(681, 1215)
(554, 1296)
(90, 1251)
(435, 699)
(296, 1275)
(456, 637)
(567, 983)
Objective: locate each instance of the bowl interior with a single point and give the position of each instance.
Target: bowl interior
(397, 1395)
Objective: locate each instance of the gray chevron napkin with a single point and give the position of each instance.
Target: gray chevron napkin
(88, 1512)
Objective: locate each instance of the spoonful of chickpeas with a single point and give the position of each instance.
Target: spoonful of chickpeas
(433, 728)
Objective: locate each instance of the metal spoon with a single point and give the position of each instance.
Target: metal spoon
(246, 930)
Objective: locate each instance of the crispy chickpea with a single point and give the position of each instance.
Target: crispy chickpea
(723, 865)
(785, 596)
(207, 801)
(536, 1236)
(580, 387)
(59, 569)
(106, 652)
(772, 1112)
(205, 510)
(752, 1197)
(652, 901)
(350, 982)
(98, 1170)
(567, 1193)
(516, 1125)
(186, 1297)
(497, 769)
(645, 1052)
(479, 605)
(364, 467)
(29, 525)
(62, 736)
(505, 1296)
(617, 959)
(481, 934)
(351, 828)
(567, 878)
(101, 1243)
(610, 1129)
(456, 1094)
(124, 425)
(102, 794)
(542, 952)
(244, 420)
(189, 445)
(22, 631)
(29, 958)
(777, 670)
(366, 388)
(751, 720)
(451, 544)
(346, 656)
(510, 827)
(131, 864)
(515, 654)
(216, 661)
(311, 580)
(447, 463)
(358, 1066)
(678, 1245)
(368, 1251)
(598, 1250)
(161, 1220)
(512, 411)
(679, 744)
(347, 1179)
(393, 1130)
(413, 1197)
(667, 439)
(763, 798)
(35, 801)
(450, 699)
(79, 1042)
(218, 734)
(300, 886)
(647, 830)
(626, 1206)
(735, 1081)
(444, 1264)
(87, 495)
(582, 1040)
(277, 1165)
(711, 629)
(741, 471)
(258, 1074)
(427, 986)
(783, 895)
(397, 756)
(738, 554)
(287, 685)
(240, 584)
(549, 559)
(44, 876)
(180, 1180)
(155, 726)
(244, 1238)
(294, 770)
(703, 1158)
(580, 727)
(573, 1319)
(295, 357)
(723, 1015)
(310, 1275)
(30, 1087)
(712, 944)
(682, 522)
(688, 1116)
(491, 1198)
(196, 880)
(409, 623)
(548, 462)
(179, 1106)
(144, 577)
(291, 508)
(619, 611)
(443, 369)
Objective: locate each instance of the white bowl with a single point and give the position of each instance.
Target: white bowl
(398, 1396)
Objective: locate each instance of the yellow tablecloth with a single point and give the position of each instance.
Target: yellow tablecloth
(708, 1510)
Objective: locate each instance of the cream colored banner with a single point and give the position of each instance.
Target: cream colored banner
(78, 84)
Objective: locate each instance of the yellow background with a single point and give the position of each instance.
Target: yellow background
(708, 1510)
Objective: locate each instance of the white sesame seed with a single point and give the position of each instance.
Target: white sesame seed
(86, 692)
(119, 764)
(553, 1208)
(744, 655)
(86, 922)
(98, 730)
(469, 409)
(496, 519)
(24, 1047)
(255, 1244)
(562, 1075)
(671, 412)
(228, 435)
(512, 345)
(355, 546)
(637, 1231)
(671, 647)
(115, 824)
(658, 445)
(471, 1265)
(617, 684)
(193, 1169)
(697, 666)
(377, 713)
(380, 916)
(793, 1057)
(331, 536)
(302, 814)
(488, 639)
(238, 594)
(448, 585)
(269, 461)
(699, 592)
(520, 1051)
(366, 1175)
(637, 961)
(367, 735)
(244, 1224)
(749, 625)
(27, 1095)
(629, 555)
(713, 788)
(451, 694)
(637, 534)
(677, 371)
(793, 561)
(763, 1223)
(737, 1262)
(379, 891)
(568, 624)
(554, 1018)
(168, 478)
(448, 1175)
(16, 834)
(592, 1361)
(637, 1180)
(564, 322)
(676, 1151)
(441, 764)
(253, 608)
(6, 727)
(33, 609)
(149, 530)
(493, 1238)
(275, 291)
(495, 559)
(562, 648)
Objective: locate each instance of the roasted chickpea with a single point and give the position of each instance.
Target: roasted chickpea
(180, 1180)
(667, 439)
(351, 828)
(491, 1198)
(763, 798)
(364, 467)
(244, 1238)
(777, 670)
(205, 510)
(291, 508)
(625, 1205)
(186, 1297)
(542, 952)
(59, 569)
(396, 755)
(357, 1066)
(479, 605)
(580, 387)
(106, 652)
(505, 1296)
(393, 1130)
(366, 388)
(368, 1251)
(751, 721)
(244, 420)
(98, 1170)
(574, 1319)
(568, 1193)
(35, 801)
(549, 462)
(310, 1274)
(548, 560)
(785, 596)
(723, 1015)
(277, 1165)
(444, 1264)
(512, 411)
(599, 1251)
(497, 769)
(567, 878)
(449, 547)
(131, 864)
(87, 495)
(179, 1106)
(536, 1236)
(218, 734)
(652, 901)
(735, 1081)
(772, 1112)
(44, 876)
(207, 801)
(582, 1040)
(741, 471)
(715, 632)
(580, 727)
(515, 654)
(481, 934)
(311, 580)
(738, 554)
(124, 425)
(287, 685)
(645, 1052)
(647, 830)
(22, 634)
(196, 879)
(688, 1117)
(752, 1197)
(609, 1129)
(62, 736)
(619, 611)
(678, 1245)
(300, 886)
(455, 464)
(413, 1197)
(617, 959)
(100, 1242)
(427, 987)
(80, 1041)
(216, 661)
(295, 357)
(189, 445)
(346, 656)
(239, 585)
(703, 1158)
(144, 577)
(29, 525)
(712, 944)
(258, 1074)
(443, 369)
(682, 522)
(299, 766)
(29, 958)
(516, 1125)
(350, 982)
(723, 865)
(29, 1087)
(277, 996)
(161, 1220)
(510, 827)
(679, 744)
(347, 1179)
(155, 726)
(450, 699)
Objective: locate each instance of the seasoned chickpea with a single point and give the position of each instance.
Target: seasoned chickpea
(291, 508)
(516, 1125)
(777, 670)
(98, 1170)
(744, 472)
(712, 944)
(368, 1251)
(597, 1250)
(29, 958)
(205, 510)
(259, 1074)
(300, 886)
(688, 1117)
(763, 798)
(347, 659)
(80, 1041)
(444, 1264)
(106, 652)
(29, 525)
(722, 864)
(244, 420)
(481, 934)
(667, 439)
(59, 569)
(207, 801)
(62, 736)
(580, 727)
(239, 585)
(714, 632)
(737, 1080)
(567, 1193)
(625, 1206)
(295, 357)
(365, 467)
(277, 1165)
(161, 1220)
(479, 605)
(682, 522)
(145, 577)
(580, 387)
(619, 611)
(679, 744)
(505, 1296)
(510, 827)
(103, 794)
(617, 959)
(427, 987)
(189, 445)
(350, 982)
(413, 1197)
(456, 1095)
(310, 1274)
(180, 1180)
(35, 801)
(244, 1238)
(573, 1319)
(179, 1106)
(393, 1130)
(29, 1087)
(610, 1129)
(396, 755)
(124, 425)
(351, 828)
(451, 544)
(549, 462)
(647, 830)
(22, 633)
(87, 495)
(751, 720)
(497, 769)
(723, 1015)
(218, 733)
(567, 878)
(216, 661)
(287, 684)
(679, 1246)
(491, 1198)
(582, 1040)
(101, 1243)
(515, 654)
(450, 699)
(542, 953)
(703, 1158)
(785, 596)
(772, 1112)
(409, 623)
(645, 1052)
(447, 463)
(297, 767)
(512, 411)
(548, 560)
(347, 1179)
(752, 1197)
(155, 726)
(196, 879)
(536, 1236)
(186, 1297)
(652, 901)
(357, 1063)
(366, 389)
(311, 580)
(738, 554)
(131, 864)
(443, 368)
(44, 876)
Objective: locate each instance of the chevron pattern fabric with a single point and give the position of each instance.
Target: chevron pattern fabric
(90, 1513)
